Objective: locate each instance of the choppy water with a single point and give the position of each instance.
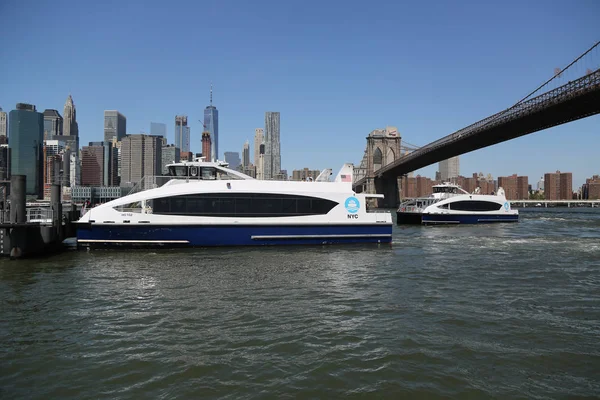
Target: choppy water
(502, 311)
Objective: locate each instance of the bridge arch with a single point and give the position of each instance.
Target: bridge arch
(390, 156)
(377, 159)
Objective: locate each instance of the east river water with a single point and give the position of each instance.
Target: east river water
(494, 311)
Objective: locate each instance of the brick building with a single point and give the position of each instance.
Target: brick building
(558, 186)
(591, 188)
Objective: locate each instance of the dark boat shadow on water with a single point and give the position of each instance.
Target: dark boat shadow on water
(242, 250)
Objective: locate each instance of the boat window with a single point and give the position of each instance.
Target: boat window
(475, 205)
(131, 207)
(443, 206)
(178, 170)
(208, 173)
(242, 205)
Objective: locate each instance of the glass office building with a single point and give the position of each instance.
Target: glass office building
(26, 138)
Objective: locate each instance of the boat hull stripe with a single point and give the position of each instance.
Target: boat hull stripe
(215, 235)
(266, 237)
(468, 218)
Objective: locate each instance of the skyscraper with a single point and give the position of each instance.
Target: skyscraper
(206, 145)
(260, 162)
(53, 125)
(259, 138)
(449, 169)
(71, 128)
(3, 123)
(26, 133)
(158, 129)
(141, 156)
(99, 164)
(211, 124)
(92, 165)
(246, 155)
(233, 159)
(182, 133)
(115, 125)
(272, 159)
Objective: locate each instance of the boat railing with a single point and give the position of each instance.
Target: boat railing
(414, 209)
(40, 215)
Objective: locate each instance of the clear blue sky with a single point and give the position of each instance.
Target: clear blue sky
(334, 69)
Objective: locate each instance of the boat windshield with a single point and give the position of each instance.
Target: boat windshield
(445, 189)
(202, 173)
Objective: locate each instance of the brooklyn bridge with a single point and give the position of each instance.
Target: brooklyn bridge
(386, 159)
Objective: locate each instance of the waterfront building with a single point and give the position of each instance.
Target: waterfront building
(418, 186)
(591, 188)
(246, 155)
(182, 133)
(272, 158)
(515, 187)
(97, 194)
(211, 124)
(259, 138)
(206, 146)
(566, 185)
(558, 186)
(141, 156)
(53, 124)
(303, 174)
(233, 159)
(449, 169)
(26, 133)
(115, 125)
(170, 154)
(3, 123)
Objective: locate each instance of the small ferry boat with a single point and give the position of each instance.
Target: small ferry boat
(208, 204)
(450, 204)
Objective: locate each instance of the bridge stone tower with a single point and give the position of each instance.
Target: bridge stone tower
(383, 147)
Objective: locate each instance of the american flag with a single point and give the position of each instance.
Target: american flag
(346, 178)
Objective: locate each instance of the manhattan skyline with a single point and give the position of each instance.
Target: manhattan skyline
(429, 70)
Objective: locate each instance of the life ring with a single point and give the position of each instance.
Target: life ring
(194, 171)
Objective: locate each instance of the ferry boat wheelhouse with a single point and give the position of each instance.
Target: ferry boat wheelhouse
(208, 204)
(450, 204)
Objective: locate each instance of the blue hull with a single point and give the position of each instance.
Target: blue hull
(229, 235)
(435, 219)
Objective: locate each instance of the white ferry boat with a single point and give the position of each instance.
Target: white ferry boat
(208, 204)
(450, 204)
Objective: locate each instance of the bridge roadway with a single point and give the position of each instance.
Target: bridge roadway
(575, 100)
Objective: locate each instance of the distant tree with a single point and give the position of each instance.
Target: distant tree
(536, 196)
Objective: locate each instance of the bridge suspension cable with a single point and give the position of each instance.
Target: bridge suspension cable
(558, 73)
